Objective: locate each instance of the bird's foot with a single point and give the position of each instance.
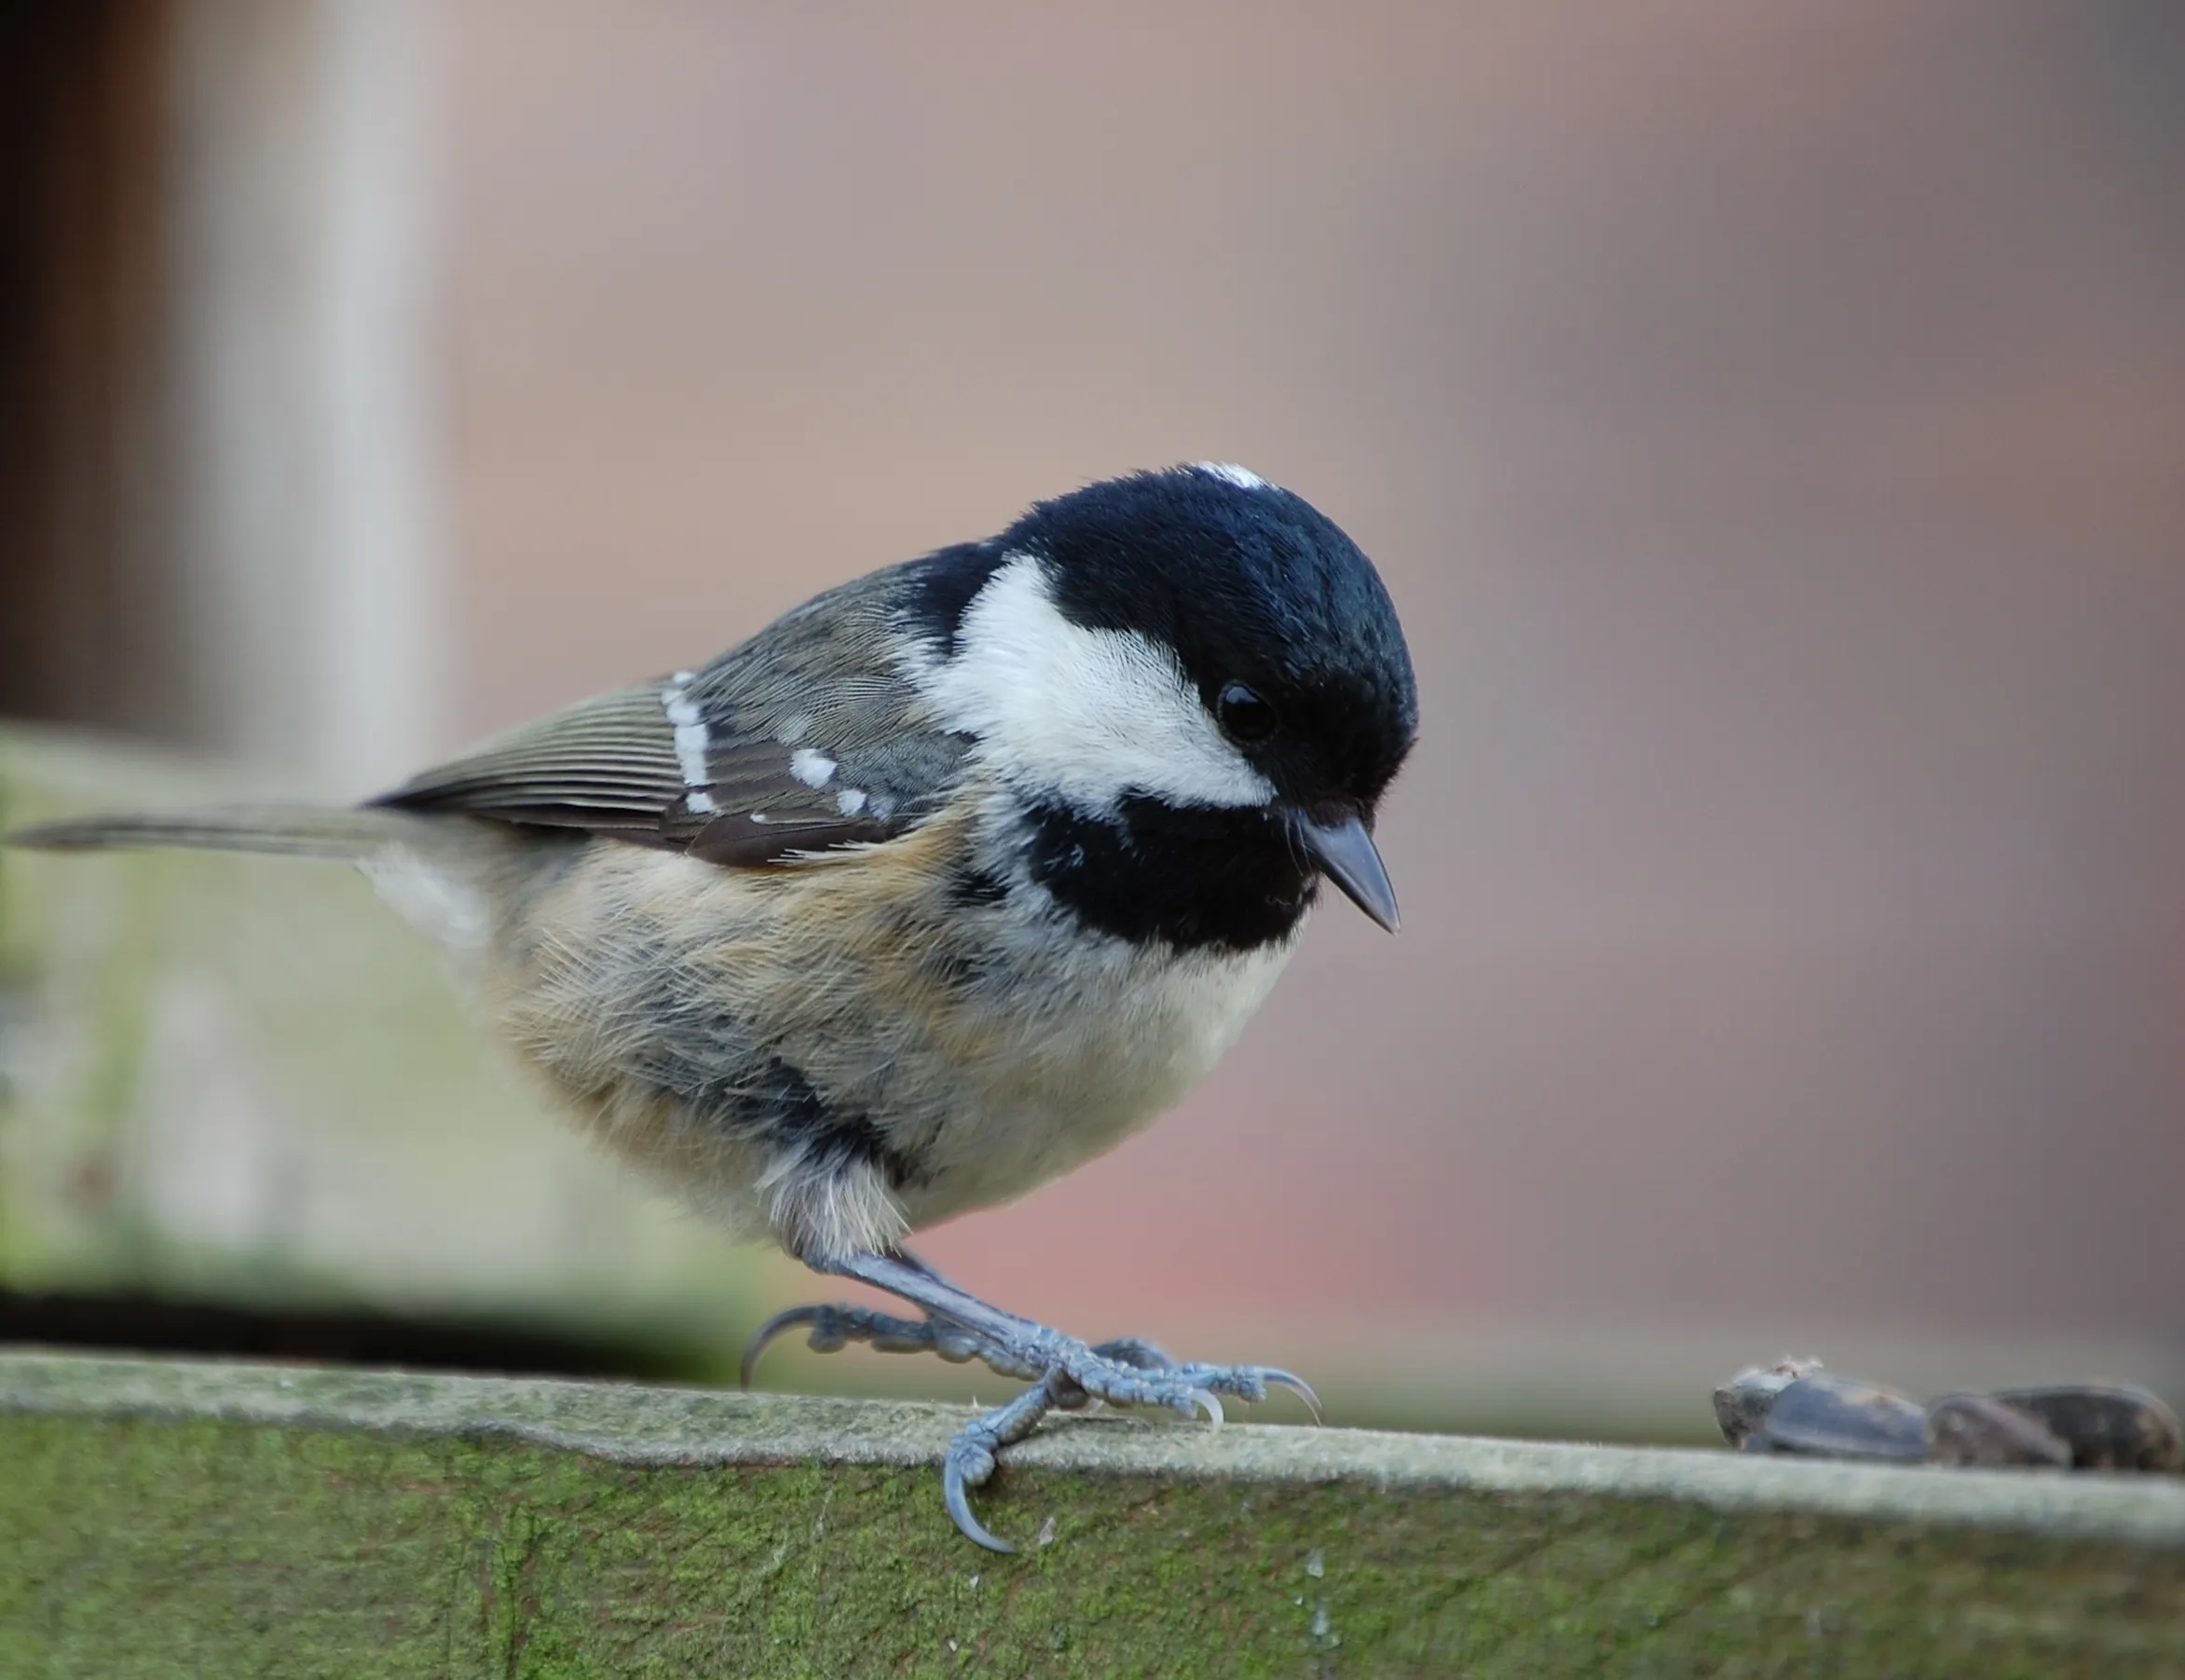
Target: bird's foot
(1064, 1373)
(1131, 1373)
(1127, 1371)
(835, 1325)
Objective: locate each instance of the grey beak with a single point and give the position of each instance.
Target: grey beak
(1345, 852)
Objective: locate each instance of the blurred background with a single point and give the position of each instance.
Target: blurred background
(1770, 422)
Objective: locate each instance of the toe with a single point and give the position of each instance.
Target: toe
(817, 1317)
(1138, 1354)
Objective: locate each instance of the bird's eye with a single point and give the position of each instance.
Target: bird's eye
(1244, 714)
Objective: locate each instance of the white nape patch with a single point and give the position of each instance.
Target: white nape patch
(691, 738)
(812, 766)
(1244, 478)
(850, 801)
(1086, 714)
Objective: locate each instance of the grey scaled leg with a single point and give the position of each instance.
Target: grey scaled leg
(1064, 1373)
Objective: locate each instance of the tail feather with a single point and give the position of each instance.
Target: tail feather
(281, 830)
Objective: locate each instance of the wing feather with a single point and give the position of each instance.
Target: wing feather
(805, 737)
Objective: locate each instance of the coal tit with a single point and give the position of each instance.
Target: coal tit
(944, 882)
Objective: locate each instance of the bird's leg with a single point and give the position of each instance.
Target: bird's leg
(1064, 1371)
(918, 1263)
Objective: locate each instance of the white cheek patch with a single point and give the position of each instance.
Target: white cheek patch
(1086, 713)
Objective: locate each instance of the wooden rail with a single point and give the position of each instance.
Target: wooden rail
(189, 1518)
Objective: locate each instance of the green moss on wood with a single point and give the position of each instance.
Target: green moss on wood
(193, 1519)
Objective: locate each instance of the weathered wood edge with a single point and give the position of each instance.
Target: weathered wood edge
(645, 1426)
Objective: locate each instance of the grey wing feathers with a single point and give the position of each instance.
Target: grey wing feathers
(607, 764)
(807, 736)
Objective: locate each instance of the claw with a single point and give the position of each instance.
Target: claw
(1276, 1377)
(1206, 1398)
(956, 1492)
(814, 1316)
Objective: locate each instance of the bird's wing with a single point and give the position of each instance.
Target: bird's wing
(808, 736)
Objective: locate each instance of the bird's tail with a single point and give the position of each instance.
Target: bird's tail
(281, 830)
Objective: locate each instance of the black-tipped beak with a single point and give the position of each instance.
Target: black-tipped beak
(1345, 852)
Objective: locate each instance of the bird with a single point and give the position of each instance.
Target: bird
(941, 884)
